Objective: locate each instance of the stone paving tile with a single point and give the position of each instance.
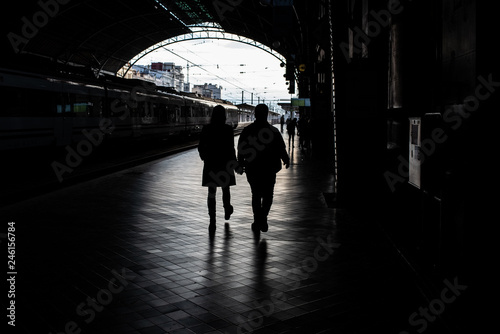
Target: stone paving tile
(130, 253)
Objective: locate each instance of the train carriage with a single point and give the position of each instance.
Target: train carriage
(54, 111)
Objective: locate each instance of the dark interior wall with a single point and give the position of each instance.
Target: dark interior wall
(361, 64)
(433, 60)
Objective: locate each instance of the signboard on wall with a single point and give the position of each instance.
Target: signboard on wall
(302, 102)
(415, 154)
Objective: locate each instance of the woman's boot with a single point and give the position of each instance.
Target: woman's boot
(211, 213)
(226, 199)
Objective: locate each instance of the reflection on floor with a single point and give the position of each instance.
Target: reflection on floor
(131, 253)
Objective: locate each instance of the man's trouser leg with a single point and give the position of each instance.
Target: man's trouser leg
(255, 186)
(267, 199)
(262, 186)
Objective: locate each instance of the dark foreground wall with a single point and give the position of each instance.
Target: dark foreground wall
(417, 98)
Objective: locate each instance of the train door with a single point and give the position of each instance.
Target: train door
(185, 117)
(147, 112)
(63, 121)
(230, 117)
(173, 117)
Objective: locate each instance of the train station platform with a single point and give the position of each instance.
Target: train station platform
(130, 252)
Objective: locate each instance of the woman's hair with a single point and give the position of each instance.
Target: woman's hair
(218, 115)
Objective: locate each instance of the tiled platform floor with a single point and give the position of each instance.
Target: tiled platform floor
(131, 253)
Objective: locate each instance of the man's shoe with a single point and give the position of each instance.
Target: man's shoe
(263, 225)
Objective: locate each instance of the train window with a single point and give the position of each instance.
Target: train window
(146, 112)
(63, 108)
(198, 111)
(96, 110)
(144, 109)
(161, 113)
(185, 111)
(26, 103)
(173, 113)
(81, 105)
(13, 102)
(165, 114)
(118, 108)
(66, 104)
(81, 109)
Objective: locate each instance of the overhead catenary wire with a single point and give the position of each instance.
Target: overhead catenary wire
(211, 73)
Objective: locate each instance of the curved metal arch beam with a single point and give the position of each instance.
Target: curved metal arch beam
(107, 27)
(205, 34)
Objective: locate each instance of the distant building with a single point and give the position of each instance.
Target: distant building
(161, 74)
(208, 90)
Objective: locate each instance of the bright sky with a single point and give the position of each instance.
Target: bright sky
(235, 66)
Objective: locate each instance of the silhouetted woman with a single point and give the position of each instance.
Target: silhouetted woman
(216, 149)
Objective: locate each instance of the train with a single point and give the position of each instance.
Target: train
(57, 110)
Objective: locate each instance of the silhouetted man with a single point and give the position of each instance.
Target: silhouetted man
(260, 151)
(290, 128)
